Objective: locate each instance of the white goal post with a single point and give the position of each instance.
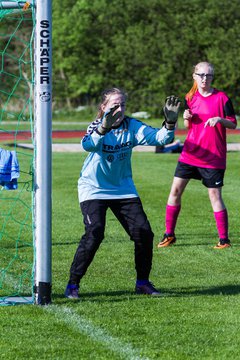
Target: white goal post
(42, 144)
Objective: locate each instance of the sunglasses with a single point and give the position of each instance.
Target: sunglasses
(202, 76)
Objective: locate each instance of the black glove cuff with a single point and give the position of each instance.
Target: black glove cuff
(168, 126)
(104, 130)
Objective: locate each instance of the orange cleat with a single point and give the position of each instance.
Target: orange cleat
(168, 240)
(223, 244)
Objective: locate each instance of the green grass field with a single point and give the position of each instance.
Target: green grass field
(198, 316)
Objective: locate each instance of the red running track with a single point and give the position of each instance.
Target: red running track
(70, 134)
(26, 135)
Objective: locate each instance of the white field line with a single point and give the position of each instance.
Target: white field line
(78, 147)
(70, 147)
(86, 327)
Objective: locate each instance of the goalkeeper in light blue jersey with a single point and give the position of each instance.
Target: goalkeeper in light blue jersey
(106, 183)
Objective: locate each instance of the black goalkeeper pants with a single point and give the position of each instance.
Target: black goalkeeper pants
(131, 215)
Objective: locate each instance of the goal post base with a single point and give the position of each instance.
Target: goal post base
(43, 293)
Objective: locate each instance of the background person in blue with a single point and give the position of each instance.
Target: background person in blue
(106, 182)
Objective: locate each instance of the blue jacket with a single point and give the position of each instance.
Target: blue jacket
(9, 169)
(107, 171)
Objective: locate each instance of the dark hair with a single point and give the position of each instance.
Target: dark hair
(105, 97)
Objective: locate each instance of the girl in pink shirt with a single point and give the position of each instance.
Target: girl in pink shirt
(208, 112)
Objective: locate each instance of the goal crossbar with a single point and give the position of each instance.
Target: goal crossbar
(8, 5)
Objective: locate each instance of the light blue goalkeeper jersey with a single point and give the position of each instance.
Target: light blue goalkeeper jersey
(107, 171)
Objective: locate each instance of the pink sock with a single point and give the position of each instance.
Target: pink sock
(171, 218)
(221, 218)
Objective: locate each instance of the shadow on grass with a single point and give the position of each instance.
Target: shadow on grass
(215, 290)
(208, 244)
(118, 296)
(209, 240)
(102, 296)
(66, 243)
(185, 244)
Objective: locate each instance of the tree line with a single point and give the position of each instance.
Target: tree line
(147, 47)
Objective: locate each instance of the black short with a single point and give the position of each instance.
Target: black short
(211, 178)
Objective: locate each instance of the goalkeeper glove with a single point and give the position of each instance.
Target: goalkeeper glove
(108, 120)
(171, 110)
